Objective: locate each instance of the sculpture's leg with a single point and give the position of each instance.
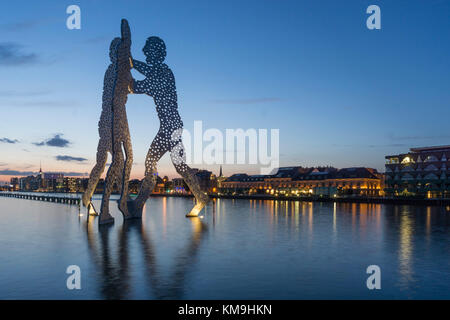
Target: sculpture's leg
(177, 156)
(121, 90)
(102, 156)
(147, 186)
(91, 210)
(126, 177)
(157, 149)
(111, 177)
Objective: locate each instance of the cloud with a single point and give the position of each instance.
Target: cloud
(56, 141)
(70, 173)
(246, 101)
(8, 172)
(6, 140)
(11, 55)
(75, 174)
(70, 158)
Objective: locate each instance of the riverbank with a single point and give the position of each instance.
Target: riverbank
(380, 200)
(404, 201)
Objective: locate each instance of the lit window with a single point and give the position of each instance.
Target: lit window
(431, 158)
(406, 160)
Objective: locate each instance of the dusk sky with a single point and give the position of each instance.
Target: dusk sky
(341, 94)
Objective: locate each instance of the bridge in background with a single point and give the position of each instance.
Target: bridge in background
(67, 199)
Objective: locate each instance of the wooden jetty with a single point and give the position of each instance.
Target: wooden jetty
(43, 197)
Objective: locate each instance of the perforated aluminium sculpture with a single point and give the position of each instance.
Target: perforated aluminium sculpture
(159, 83)
(113, 129)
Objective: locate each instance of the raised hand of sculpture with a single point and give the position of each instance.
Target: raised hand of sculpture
(113, 129)
(159, 83)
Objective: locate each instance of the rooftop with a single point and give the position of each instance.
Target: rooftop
(299, 173)
(435, 148)
(422, 149)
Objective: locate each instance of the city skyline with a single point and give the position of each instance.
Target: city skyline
(328, 182)
(341, 95)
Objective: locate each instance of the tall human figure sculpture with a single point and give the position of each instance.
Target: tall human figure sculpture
(159, 83)
(113, 129)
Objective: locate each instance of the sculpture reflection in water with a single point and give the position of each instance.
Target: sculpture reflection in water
(114, 266)
(159, 83)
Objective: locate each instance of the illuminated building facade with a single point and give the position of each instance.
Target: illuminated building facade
(14, 184)
(160, 185)
(179, 186)
(221, 178)
(299, 181)
(207, 182)
(422, 172)
(30, 183)
(53, 182)
(72, 185)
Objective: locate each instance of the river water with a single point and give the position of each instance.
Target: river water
(240, 249)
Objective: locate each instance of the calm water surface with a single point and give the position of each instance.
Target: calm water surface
(241, 249)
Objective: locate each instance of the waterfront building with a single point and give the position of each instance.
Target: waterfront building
(14, 184)
(300, 181)
(221, 178)
(207, 180)
(160, 184)
(40, 176)
(41, 182)
(422, 172)
(179, 186)
(30, 183)
(168, 185)
(52, 182)
(134, 186)
(71, 184)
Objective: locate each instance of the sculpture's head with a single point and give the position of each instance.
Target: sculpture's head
(113, 48)
(154, 50)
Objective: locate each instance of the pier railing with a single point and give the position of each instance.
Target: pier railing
(67, 199)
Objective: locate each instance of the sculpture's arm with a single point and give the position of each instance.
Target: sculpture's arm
(125, 33)
(140, 87)
(141, 67)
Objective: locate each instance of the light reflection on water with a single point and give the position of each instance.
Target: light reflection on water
(261, 249)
